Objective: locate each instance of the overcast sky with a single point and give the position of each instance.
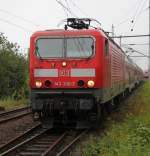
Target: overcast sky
(19, 19)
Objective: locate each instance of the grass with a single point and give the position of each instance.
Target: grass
(127, 132)
(10, 103)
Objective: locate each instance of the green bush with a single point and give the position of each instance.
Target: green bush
(129, 137)
(13, 70)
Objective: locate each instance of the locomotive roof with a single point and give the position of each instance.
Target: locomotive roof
(67, 32)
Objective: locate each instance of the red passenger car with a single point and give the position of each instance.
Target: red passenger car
(74, 73)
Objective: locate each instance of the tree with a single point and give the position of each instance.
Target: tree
(13, 69)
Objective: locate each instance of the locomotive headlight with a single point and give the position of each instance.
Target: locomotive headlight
(64, 64)
(90, 83)
(38, 84)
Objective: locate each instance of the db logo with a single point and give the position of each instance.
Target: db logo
(64, 72)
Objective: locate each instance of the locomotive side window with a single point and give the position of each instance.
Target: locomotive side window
(47, 47)
(106, 47)
(79, 47)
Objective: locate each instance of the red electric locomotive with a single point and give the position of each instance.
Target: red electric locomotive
(75, 73)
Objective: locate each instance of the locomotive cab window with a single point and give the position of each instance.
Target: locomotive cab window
(47, 47)
(79, 47)
(106, 47)
(69, 47)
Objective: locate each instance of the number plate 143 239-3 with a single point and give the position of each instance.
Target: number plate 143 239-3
(64, 84)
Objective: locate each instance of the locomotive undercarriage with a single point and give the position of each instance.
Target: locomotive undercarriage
(65, 110)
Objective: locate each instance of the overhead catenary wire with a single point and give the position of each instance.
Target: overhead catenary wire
(130, 36)
(130, 51)
(65, 8)
(76, 6)
(137, 51)
(146, 56)
(135, 44)
(127, 17)
(16, 25)
(130, 18)
(135, 19)
(67, 4)
(19, 17)
(66, 12)
(137, 9)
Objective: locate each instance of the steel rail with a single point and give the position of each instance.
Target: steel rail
(42, 143)
(14, 114)
(51, 148)
(17, 139)
(28, 140)
(14, 110)
(70, 145)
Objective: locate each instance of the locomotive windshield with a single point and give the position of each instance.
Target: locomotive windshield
(77, 47)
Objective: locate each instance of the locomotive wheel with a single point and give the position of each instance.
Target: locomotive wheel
(98, 117)
(104, 112)
(110, 106)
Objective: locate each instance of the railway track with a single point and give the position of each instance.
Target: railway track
(14, 114)
(67, 149)
(41, 141)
